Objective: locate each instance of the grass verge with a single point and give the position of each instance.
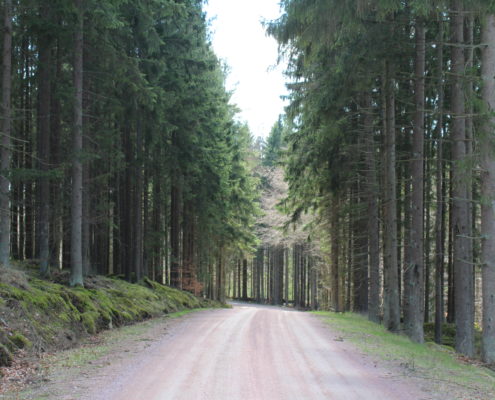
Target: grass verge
(438, 364)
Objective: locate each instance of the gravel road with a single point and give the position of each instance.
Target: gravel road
(253, 353)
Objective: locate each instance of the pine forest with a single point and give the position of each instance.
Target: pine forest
(123, 156)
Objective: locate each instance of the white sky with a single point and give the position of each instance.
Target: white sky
(239, 39)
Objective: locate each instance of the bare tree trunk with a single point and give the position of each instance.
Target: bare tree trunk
(362, 245)
(487, 149)
(463, 267)
(450, 249)
(45, 50)
(138, 203)
(439, 215)
(335, 294)
(6, 151)
(175, 202)
(239, 278)
(373, 217)
(220, 278)
(413, 279)
(391, 311)
(57, 229)
(469, 95)
(286, 287)
(295, 271)
(76, 278)
(427, 223)
(244, 279)
(314, 284)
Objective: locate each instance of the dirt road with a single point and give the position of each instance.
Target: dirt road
(253, 353)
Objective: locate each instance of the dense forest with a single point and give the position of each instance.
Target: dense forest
(390, 145)
(121, 155)
(120, 152)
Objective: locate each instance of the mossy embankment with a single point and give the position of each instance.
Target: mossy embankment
(42, 315)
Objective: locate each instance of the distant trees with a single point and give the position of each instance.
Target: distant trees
(124, 156)
(385, 114)
(283, 270)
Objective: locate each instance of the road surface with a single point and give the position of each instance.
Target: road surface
(253, 353)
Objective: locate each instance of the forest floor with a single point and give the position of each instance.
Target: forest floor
(248, 352)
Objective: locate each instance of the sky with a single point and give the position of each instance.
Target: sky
(239, 40)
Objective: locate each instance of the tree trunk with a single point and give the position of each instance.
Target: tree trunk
(439, 215)
(314, 284)
(487, 149)
(391, 311)
(175, 202)
(138, 202)
(286, 287)
(57, 230)
(6, 151)
(427, 223)
(220, 278)
(372, 214)
(335, 256)
(76, 278)
(244, 279)
(450, 249)
(45, 66)
(360, 239)
(413, 279)
(463, 267)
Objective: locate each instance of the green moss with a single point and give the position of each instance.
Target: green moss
(56, 315)
(89, 320)
(20, 341)
(5, 356)
(448, 335)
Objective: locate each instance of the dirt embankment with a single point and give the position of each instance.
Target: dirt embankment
(39, 315)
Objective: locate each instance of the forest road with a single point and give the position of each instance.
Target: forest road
(253, 352)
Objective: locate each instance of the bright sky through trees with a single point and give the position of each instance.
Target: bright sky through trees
(240, 40)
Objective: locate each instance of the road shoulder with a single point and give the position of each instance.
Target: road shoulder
(76, 373)
(436, 370)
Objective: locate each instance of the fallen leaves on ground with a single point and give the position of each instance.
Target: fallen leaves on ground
(23, 371)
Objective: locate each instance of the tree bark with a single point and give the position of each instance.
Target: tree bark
(487, 148)
(439, 214)
(6, 151)
(463, 267)
(413, 279)
(138, 203)
(76, 278)
(175, 202)
(45, 50)
(391, 311)
(335, 294)
(373, 215)
(244, 279)
(220, 277)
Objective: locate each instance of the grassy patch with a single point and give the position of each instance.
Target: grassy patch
(431, 361)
